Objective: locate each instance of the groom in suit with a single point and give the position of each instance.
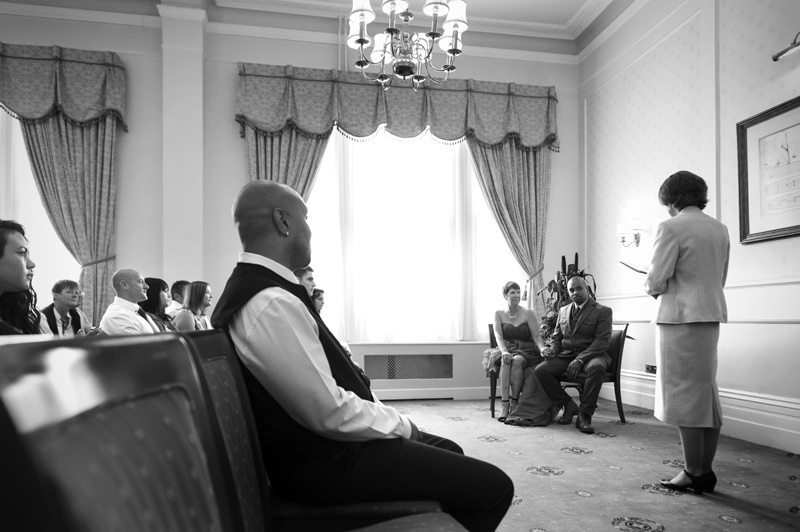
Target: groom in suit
(578, 344)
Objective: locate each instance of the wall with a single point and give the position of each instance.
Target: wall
(661, 90)
(182, 161)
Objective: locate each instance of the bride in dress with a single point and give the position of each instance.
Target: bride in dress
(519, 345)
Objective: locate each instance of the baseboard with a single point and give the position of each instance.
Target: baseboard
(441, 392)
(759, 418)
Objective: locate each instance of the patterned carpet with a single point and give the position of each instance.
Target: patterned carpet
(566, 481)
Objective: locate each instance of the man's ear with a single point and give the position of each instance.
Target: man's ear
(281, 220)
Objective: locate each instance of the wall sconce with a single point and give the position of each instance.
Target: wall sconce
(792, 48)
(630, 232)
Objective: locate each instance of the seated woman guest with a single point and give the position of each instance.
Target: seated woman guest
(158, 298)
(192, 317)
(18, 312)
(519, 343)
(318, 298)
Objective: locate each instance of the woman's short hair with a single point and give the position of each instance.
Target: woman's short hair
(511, 285)
(195, 293)
(153, 303)
(684, 189)
(18, 308)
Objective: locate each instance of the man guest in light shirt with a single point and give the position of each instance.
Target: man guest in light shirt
(325, 437)
(178, 290)
(124, 315)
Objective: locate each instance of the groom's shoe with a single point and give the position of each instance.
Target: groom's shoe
(570, 409)
(584, 423)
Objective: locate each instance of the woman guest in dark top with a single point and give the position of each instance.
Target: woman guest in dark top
(516, 330)
(158, 299)
(687, 275)
(18, 312)
(192, 317)
(318, 298)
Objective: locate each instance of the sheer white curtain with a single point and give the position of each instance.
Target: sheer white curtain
(403, 243)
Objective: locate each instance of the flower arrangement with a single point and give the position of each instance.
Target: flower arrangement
(558, 295)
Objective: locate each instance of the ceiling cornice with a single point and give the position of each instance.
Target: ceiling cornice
(328, 9)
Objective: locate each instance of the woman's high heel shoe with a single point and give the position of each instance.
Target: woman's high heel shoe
(503, 411)
(698, 483)
(711, 481)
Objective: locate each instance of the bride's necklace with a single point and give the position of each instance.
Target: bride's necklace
(514, 316)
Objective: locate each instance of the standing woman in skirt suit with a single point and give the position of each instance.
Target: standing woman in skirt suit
(687, 275)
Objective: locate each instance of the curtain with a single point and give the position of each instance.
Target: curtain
(287, 114)
(289, 156)
(70, 103)
(510, 128)
(516, 184)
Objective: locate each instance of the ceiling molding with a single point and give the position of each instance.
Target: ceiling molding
(78, 15)
(327, 9)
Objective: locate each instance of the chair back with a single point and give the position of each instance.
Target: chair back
(112, 427)
(235, 427)
(492, 339)
(616, 345)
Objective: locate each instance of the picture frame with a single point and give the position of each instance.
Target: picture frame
(768, 146)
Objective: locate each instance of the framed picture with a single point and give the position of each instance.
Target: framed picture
(769, 173)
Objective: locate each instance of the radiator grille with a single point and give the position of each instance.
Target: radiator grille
(393, 367)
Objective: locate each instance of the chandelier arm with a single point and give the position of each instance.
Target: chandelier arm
(434, 79)
(366, 60)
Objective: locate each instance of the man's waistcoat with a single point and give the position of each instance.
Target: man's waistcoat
(284, 442)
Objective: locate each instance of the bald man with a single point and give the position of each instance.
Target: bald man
(578, 344)
(123, 315)
(324, 436)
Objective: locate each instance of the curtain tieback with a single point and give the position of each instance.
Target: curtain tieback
(112, 257)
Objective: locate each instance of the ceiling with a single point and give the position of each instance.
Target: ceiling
(552, 19)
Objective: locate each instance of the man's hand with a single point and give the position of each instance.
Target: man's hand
(574, 368)
(547, 353)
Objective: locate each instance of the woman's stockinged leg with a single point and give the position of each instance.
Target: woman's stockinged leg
(518, 365)
(710, 441)
(505, 380)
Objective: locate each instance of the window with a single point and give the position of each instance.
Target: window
(21, 202)
(403, 242)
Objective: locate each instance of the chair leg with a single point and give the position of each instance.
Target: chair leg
(618, 394)
(492, 390)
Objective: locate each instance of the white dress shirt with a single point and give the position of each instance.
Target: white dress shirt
(173, 308)
(278, 340)
(122, 317)
(62, 331)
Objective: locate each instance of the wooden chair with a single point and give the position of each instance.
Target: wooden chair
(615, 349)
(111, 426)
(493, 373)
(221, 375)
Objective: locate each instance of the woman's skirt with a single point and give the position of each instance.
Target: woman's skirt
(686, 378)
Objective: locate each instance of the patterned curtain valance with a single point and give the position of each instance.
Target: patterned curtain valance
(314, 100)
(37, 82)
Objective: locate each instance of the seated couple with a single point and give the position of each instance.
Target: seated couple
(531, 392)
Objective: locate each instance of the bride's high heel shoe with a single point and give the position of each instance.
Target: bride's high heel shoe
(504, 411)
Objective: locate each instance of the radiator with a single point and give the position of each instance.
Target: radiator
(395, 367)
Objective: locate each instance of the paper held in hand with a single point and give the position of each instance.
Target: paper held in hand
(634, 268)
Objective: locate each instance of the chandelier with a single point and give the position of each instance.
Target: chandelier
(403, 51)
